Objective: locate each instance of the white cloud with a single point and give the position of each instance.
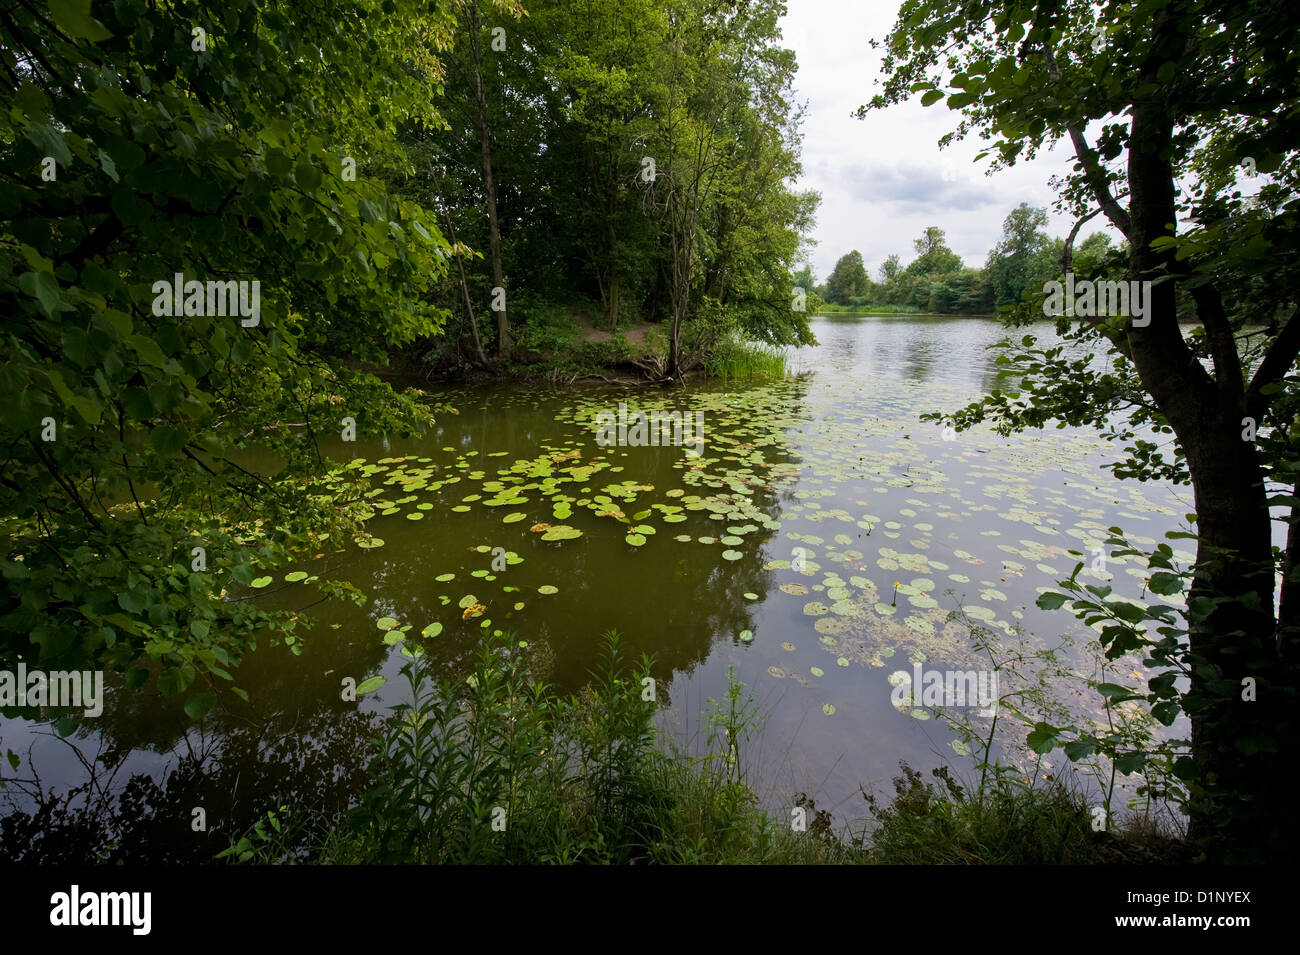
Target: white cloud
(884, 179)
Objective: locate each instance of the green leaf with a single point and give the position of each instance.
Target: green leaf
(932, 97)
(73, 18)
(369, 686)
(1043, 737)
(198, 704)
(1079, 749)
(43, 287)
(307, 175)
(174, 680)
(1113, 691)
(1051, 600)
(1130, 763)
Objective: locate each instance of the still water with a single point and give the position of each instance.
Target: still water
(816, 547)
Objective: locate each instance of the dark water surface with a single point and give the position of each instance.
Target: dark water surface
(774, 553)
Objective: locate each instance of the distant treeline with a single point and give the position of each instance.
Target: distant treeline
(938, 282)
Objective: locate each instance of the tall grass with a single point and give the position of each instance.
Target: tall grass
(730, 357)
(497, 768)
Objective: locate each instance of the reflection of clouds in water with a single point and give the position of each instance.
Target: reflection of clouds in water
(978, 516)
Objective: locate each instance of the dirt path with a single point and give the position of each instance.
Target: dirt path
(636, 335)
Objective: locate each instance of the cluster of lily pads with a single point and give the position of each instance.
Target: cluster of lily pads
(927, 573)
(881, 519)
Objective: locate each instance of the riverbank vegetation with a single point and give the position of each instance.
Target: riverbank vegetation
(494, 768)
(937, 282)
(218, 224)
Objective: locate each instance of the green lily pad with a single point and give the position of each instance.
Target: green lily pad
(296, 576)
(547, 589)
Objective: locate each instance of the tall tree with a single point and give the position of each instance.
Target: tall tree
(1014, 264)
(933, 257)
(1177, 91)
(499, 300)
(249, 143)
(847, 280)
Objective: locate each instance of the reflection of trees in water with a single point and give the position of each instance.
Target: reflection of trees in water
(297, 743)
(235, 777)
(286, 692)
(676, 607)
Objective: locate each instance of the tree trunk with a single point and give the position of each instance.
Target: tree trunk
(464, 285)
(615, 277)
(489, 188)
(1237, 811)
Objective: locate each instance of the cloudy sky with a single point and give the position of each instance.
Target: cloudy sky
(884, 179)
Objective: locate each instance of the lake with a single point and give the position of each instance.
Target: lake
(815, 546)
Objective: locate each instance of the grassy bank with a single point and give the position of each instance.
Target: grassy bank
(491, 767)
(565, 345)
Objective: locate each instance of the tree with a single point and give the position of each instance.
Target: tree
(253, 149)
(933, 257)
(890, 269)
(1179, 90)
(1016, 263)
(601, 57)
(847, 280)
(489, 184)
(724, 144)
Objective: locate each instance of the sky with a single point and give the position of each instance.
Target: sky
(884, 179)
